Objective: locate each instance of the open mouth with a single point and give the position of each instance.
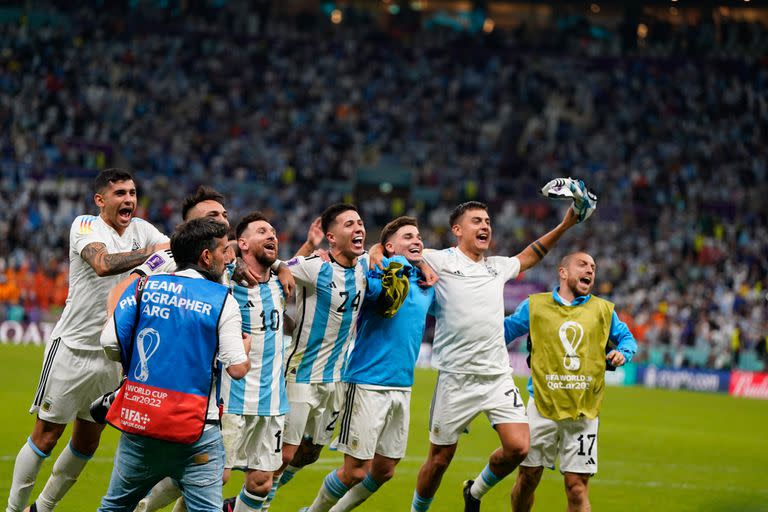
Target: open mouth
(270, 246)
(586, 280)
(414, 251)
(125, 214)
(483, 237)
(357, 242)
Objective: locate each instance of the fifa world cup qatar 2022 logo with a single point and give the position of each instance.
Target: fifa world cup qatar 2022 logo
(147, 343)
(571, 334)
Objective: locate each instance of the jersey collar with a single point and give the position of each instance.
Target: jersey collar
(577, 301)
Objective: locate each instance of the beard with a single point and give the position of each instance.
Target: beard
(265, 260)
(573, 285)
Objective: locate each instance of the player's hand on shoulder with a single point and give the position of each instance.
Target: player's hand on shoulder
(376, 257)
(285, 276)
(430, 276)
(244, 276)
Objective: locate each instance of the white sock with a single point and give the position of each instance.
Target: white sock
(28, 463)
(330, 492)
(163, 493)
(247, 501)
(483, 483)
(65, 471)
(179, 506)
(356, 495)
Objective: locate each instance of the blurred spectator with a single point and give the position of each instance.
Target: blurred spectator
(281, 114)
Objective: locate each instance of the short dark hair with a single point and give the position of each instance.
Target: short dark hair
(391, 228)
(329, 215)
(191, 238)
(107, 176)
(245, 222)
(202, 193)
(462, 208)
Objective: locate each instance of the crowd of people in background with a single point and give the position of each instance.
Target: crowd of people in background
(281, 114)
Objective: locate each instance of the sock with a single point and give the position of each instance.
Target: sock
(247, 501)
(25, 469)
(179, 506)
(271, 495)
(330, 492)
(162, 494)
(288, 474)
(356, 495)
(483, 483)
(420, 504)
(65, 471)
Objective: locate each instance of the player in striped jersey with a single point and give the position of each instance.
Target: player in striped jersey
(255, 406)
(328, 299)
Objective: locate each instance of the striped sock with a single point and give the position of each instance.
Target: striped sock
(271, 495)
(420, 504)
(247, 502)
(483, 483)
(288, 474)
(357, 495)
(330, 492)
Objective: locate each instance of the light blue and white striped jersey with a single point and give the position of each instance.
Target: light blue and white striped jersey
(328, 300)
(262, 391)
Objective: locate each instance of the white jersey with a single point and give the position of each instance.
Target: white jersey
(469, 311)
(85, 311)
(160, 262)
(262, 391)
(328, 300)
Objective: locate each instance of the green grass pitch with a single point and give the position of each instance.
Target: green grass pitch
(659, 451)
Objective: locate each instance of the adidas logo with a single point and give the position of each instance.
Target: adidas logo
(250, 304)
(333, 285)
(591, 461)
(457, 273)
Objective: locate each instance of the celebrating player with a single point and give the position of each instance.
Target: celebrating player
(255, 407)
(379, 373)
(470, 353)
(569, 330)
(75, 369)
(328, 298)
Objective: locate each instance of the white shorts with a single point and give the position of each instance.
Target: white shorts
(314, 411)
(574, 441)
(71, 380)
(459, 397)
(374, 421)
(253, 442)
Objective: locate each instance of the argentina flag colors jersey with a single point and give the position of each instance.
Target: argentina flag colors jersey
(262, 391)
(328, 300)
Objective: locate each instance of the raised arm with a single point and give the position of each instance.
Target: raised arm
(106, 264)
(534, 253)
(315, 237)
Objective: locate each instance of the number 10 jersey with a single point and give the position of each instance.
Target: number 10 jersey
(262, 391)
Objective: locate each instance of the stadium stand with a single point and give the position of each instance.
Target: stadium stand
(288, 114)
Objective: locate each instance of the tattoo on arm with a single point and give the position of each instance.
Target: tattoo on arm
(539, 249)
(106, 264)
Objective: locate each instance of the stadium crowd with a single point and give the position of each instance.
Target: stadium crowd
(281, 117)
